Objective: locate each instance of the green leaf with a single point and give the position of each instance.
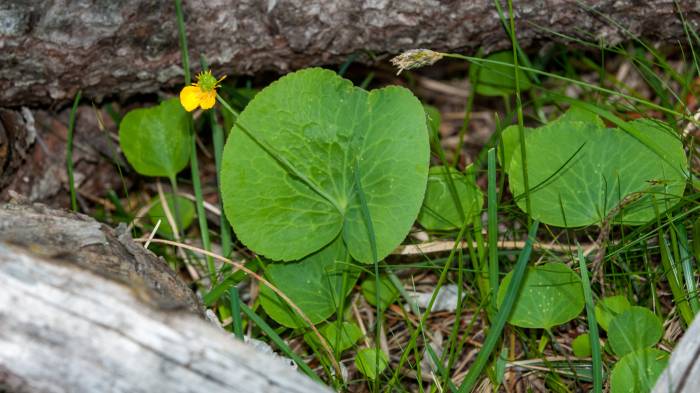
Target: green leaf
(634, 329)
(185, 208)
(388, 293)
(581, 346)
(638, 371)
(439, 211)
(511, 137)
(433, 119)
(349, 334)
(291, 190)
(496, 79)
(366, 363)
(578, 172)
(576, 113)
(551, 294)
(157, 141)
(609, 308)
(314, 284)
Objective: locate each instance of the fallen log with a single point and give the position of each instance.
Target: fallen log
(50, 49)
(97, 248)
(65, 329)
(682, 375)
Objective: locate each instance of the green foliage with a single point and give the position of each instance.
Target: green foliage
(185, 208)
(156, 141)
(579, 171)
(638, 371)
(315, 284)
(439, 211)
(365, 361)
(339, 341)
(581, 346)
(609, 307)
(634, 329)
(289, 166)
(496, 79)
(388, 293)
(550, 295)
(433, 119)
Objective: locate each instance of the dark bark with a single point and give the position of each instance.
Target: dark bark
(33, 156)
(51, 48)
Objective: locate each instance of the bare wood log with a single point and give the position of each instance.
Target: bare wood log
(98, 248)
(682, 375)
(64, 329)
(51, 48)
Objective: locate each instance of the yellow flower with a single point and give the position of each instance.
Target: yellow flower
(201, 94)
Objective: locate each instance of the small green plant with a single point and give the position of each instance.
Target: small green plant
(550, 295)
(306, 148)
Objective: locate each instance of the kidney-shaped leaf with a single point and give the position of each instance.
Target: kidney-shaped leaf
(314, 284)
(292, 189)
(157, 141)
(634, 329)
(638, 371)
(439, 211)
(550, 295)
(579, 172)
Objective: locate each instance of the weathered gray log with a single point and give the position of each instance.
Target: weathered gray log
(51, 48)
(93, 246)
(682, 375)
(64, 329)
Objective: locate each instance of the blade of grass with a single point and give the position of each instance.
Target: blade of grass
(519, 109)
(373, 246)
(236, 313)
(492, 227)
(194, 163)
(441, 280)
(217, 136)
(689, 272)
(279, 342)
(597, 362)
(503, 313)
(674, 280)
(69, 153)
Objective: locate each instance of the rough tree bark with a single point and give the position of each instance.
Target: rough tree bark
(51, 48)
(63, 329)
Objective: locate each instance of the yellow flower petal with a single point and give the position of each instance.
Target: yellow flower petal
(190, 97)
(208, 99)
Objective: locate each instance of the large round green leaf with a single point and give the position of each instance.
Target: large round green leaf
(510, 136)
(634, 329)
(550, 295)
(579, 171)
(439, 211)
(157, 141)
(638, 371)
(293, 189)
(314, 284)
